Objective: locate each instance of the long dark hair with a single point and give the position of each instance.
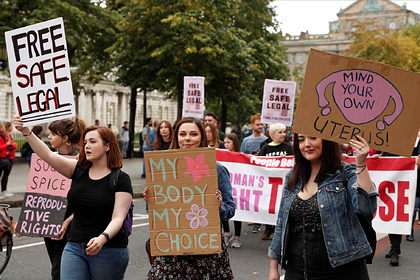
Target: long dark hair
(198, 123)
(214, 134)
(330, 162)
(159, 139)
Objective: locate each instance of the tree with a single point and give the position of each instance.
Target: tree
(89, 30)
(399, 49)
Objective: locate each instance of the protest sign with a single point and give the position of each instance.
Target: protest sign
(278, 102)
(45, 202)
(257, 187)
(40, 72)
(343, 97)
(193, 97)
(183, 207)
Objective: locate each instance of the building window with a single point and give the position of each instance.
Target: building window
(301, 58)
(392, 25)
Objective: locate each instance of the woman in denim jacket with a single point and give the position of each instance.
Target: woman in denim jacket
(190, 133)
(318, 235)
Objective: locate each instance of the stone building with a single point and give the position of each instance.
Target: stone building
(106, 101)
(384, 12)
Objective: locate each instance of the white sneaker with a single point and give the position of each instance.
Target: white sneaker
(227, 237)
(236, 243)
(6, 193)
(2, 197)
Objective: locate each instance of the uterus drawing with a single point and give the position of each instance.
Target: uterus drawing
(361, 96)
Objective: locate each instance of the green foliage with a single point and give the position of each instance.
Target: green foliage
(399, 49)
(163, 41)
(89, 30)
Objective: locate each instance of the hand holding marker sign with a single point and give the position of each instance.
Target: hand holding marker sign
(343, 97)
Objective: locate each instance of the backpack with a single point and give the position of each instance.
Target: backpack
(366, 223)
(128, 221)
(25, 150)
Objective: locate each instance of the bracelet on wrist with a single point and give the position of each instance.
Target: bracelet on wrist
(27, 134)
(361, 166)
(360, 171)
(106, 236)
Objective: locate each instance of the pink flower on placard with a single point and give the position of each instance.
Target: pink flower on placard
(197, 167)
(196, 216)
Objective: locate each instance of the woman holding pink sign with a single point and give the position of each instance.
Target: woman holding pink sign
(97, 244)
(190, 133)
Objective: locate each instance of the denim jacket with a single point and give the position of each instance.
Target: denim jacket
(227, 210)
(344, 237)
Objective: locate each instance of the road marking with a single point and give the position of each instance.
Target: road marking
(27, 245)
(141, 225)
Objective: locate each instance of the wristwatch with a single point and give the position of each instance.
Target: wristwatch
(106, 235)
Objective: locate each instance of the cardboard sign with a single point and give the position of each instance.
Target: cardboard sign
(278, 102)
(40, 72)
(45, 203)
(183, 207)
(257, 187)
(343, 97)
(193, 97)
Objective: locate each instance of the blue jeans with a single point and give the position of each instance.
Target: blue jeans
(144, 162)
(109, 263)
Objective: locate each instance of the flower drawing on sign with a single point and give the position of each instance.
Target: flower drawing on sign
(197, 167)
(197, 217)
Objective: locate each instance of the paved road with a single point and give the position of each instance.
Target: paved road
(248, 262)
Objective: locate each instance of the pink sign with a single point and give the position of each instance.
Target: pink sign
(45, 202)
(193, 105)
(359, 95)
(278, 102)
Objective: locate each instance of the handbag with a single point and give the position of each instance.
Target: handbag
(366, 223)
(5, 163)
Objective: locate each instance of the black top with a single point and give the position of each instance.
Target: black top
(165, 145)
(275, 151)
(92, 203)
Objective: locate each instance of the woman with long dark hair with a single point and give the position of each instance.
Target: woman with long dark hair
(318, 235)
(164, 134)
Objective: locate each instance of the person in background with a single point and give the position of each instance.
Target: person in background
(152, 135)
(96, 247)
(97, 122)
(38, 131)
(189, 133)
(164, 135)
(211, 117)
(10, 151)
(276, 148)
(146, 145)
(124, 135)
(318, 203)
(109, 126)
(251, 145)
(213, 136)
(64, 138)
(231, 144)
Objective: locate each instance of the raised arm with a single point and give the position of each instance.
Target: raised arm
(64, 166)
(362, 151)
